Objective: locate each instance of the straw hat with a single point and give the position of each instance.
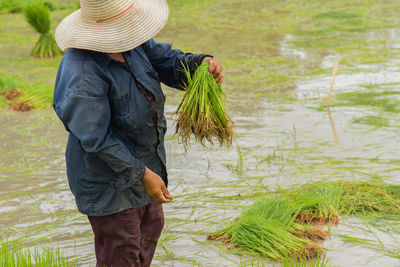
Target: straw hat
(112, 26)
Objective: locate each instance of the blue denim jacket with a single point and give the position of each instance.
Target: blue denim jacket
(112, 131)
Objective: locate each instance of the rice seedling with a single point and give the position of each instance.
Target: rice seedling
(319, 203)
(201, 111)
(371, 200)
(284, 226)
(296, 262)
(391, 250)
(13, 255)
(325, 202)
(23, 97)
(38, 16)
(268, 229)
(37, 96)
(10, 6)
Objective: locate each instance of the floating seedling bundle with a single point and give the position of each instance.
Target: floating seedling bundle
(38, 16)
(269, 229)
(319, 203)
(201, 111)
(289, 224)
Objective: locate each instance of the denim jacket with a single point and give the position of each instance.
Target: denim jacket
(113, 135)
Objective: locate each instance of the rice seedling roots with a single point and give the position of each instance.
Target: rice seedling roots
(223, 238)
(201, 111)
(312, 219)
(11, 94)
(15, 104)
(311, 251)
(314, 234)
(19, 105)
(285, 225)
(38, 16)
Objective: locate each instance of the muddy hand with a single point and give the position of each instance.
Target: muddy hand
(215, 69)
(155, 187)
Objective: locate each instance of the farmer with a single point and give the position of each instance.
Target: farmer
(108, 96)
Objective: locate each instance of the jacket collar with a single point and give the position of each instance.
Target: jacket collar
(101, 58)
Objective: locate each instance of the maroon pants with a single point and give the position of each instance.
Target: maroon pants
(128, 238)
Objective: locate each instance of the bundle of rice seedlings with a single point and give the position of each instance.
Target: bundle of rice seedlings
(10, 6)
(319, 203)
(201, 111)
(371, 199)
(324, 202)
(281, 227)
(37, 96)
(310, 232)
(38, 16)
(268, 229)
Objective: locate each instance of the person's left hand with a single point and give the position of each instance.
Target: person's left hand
(215, 69)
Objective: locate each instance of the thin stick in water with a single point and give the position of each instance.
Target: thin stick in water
(334, 71)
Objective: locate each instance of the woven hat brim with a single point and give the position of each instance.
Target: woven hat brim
(123, 33)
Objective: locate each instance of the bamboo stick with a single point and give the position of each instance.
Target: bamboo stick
(334, 71)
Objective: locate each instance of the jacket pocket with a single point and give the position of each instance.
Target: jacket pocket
(124, 122)
(119, 105)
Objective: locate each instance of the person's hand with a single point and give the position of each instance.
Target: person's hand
(215, 69)
(155, 187)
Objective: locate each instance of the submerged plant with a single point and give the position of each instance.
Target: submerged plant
(38, 16)
(201, 111)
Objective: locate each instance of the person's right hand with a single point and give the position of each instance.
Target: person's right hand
(155, 187)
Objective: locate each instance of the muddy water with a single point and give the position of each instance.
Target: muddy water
(281, 139)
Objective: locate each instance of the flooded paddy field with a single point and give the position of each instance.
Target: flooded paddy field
(278, 58)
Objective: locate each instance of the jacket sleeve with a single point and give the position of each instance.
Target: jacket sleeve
(85, 112)
(168, 62)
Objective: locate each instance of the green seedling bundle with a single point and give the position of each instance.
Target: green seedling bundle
(288, 223)
(38, 16)
(320, 203)
(269, 229)
(201, 111)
